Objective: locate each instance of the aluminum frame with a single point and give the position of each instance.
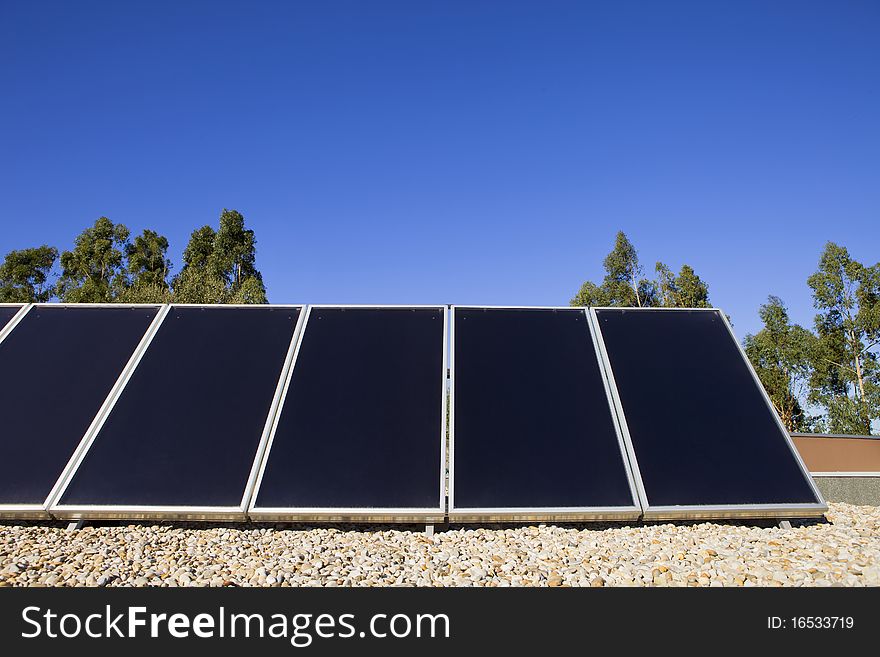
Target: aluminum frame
(712, 511)
(355, 514)
(160, 512)
(23, 309)
(531, 514)
(40, 511)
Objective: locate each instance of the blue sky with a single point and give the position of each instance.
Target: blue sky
(454, 152)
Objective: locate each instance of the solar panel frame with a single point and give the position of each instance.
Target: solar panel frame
(532, 514)
(708, 511)
(356, 514)
(23, 309)
(41, 511)
(158, 512)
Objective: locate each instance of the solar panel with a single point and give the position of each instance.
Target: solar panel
(7, 312)
(360, 433)
(706, 440)
(183, 438)
(57, 366)
(533, 434)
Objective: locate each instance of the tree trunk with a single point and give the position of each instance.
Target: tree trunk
(859, 377)
(635, 288)
(780, 410)
(860, 381)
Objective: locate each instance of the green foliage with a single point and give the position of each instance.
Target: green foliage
(250, 290)
(24, 275)
(846, 376)
(200, 250)
(91, 271)
(198, 286)
(148, 264)
(219, 266)
(625, 285)
(591, 294)
(665, 285)
(623, 275)
(104, 266)
(690, 290)
(781, 353)
(144, 292)
(234, 249)
(687, 290)
(622, 285)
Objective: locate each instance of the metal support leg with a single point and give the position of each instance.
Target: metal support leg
(429, 530)
(784, 524)
(75, 525)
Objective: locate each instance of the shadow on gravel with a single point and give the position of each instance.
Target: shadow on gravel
(51, 524)
(416, 528)
(253, 526)
(602, 526)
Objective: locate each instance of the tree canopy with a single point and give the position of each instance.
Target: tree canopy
(219, 266)
(105, 265)
(148, 262)
(625, 284)
(93, 268)
(24, 275)
(845, 375)
(781, 353)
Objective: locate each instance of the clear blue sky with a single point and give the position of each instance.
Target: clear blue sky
(454, 152)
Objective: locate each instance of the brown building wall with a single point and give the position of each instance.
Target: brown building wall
(838, 453)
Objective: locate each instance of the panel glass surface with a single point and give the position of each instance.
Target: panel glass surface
(361, 423)
(56, 368)
(533, 425)
(186, 429)
(701, 429)
(7, 313)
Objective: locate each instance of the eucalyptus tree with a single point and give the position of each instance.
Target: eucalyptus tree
(219, 266)
(235, 251)
(147, 259)
(625, 285)
(94, 269)
(146, 271)
(24, 275)
(846, 376)
(685, 290)
(691, 291)
(781, 354)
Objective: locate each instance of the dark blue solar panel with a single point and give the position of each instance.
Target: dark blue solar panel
(7, 313)
(702, 431)
(533, 425)
(362, 421)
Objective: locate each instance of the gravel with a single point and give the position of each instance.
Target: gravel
(844, 551)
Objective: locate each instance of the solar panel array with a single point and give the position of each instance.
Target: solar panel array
(340, 413)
